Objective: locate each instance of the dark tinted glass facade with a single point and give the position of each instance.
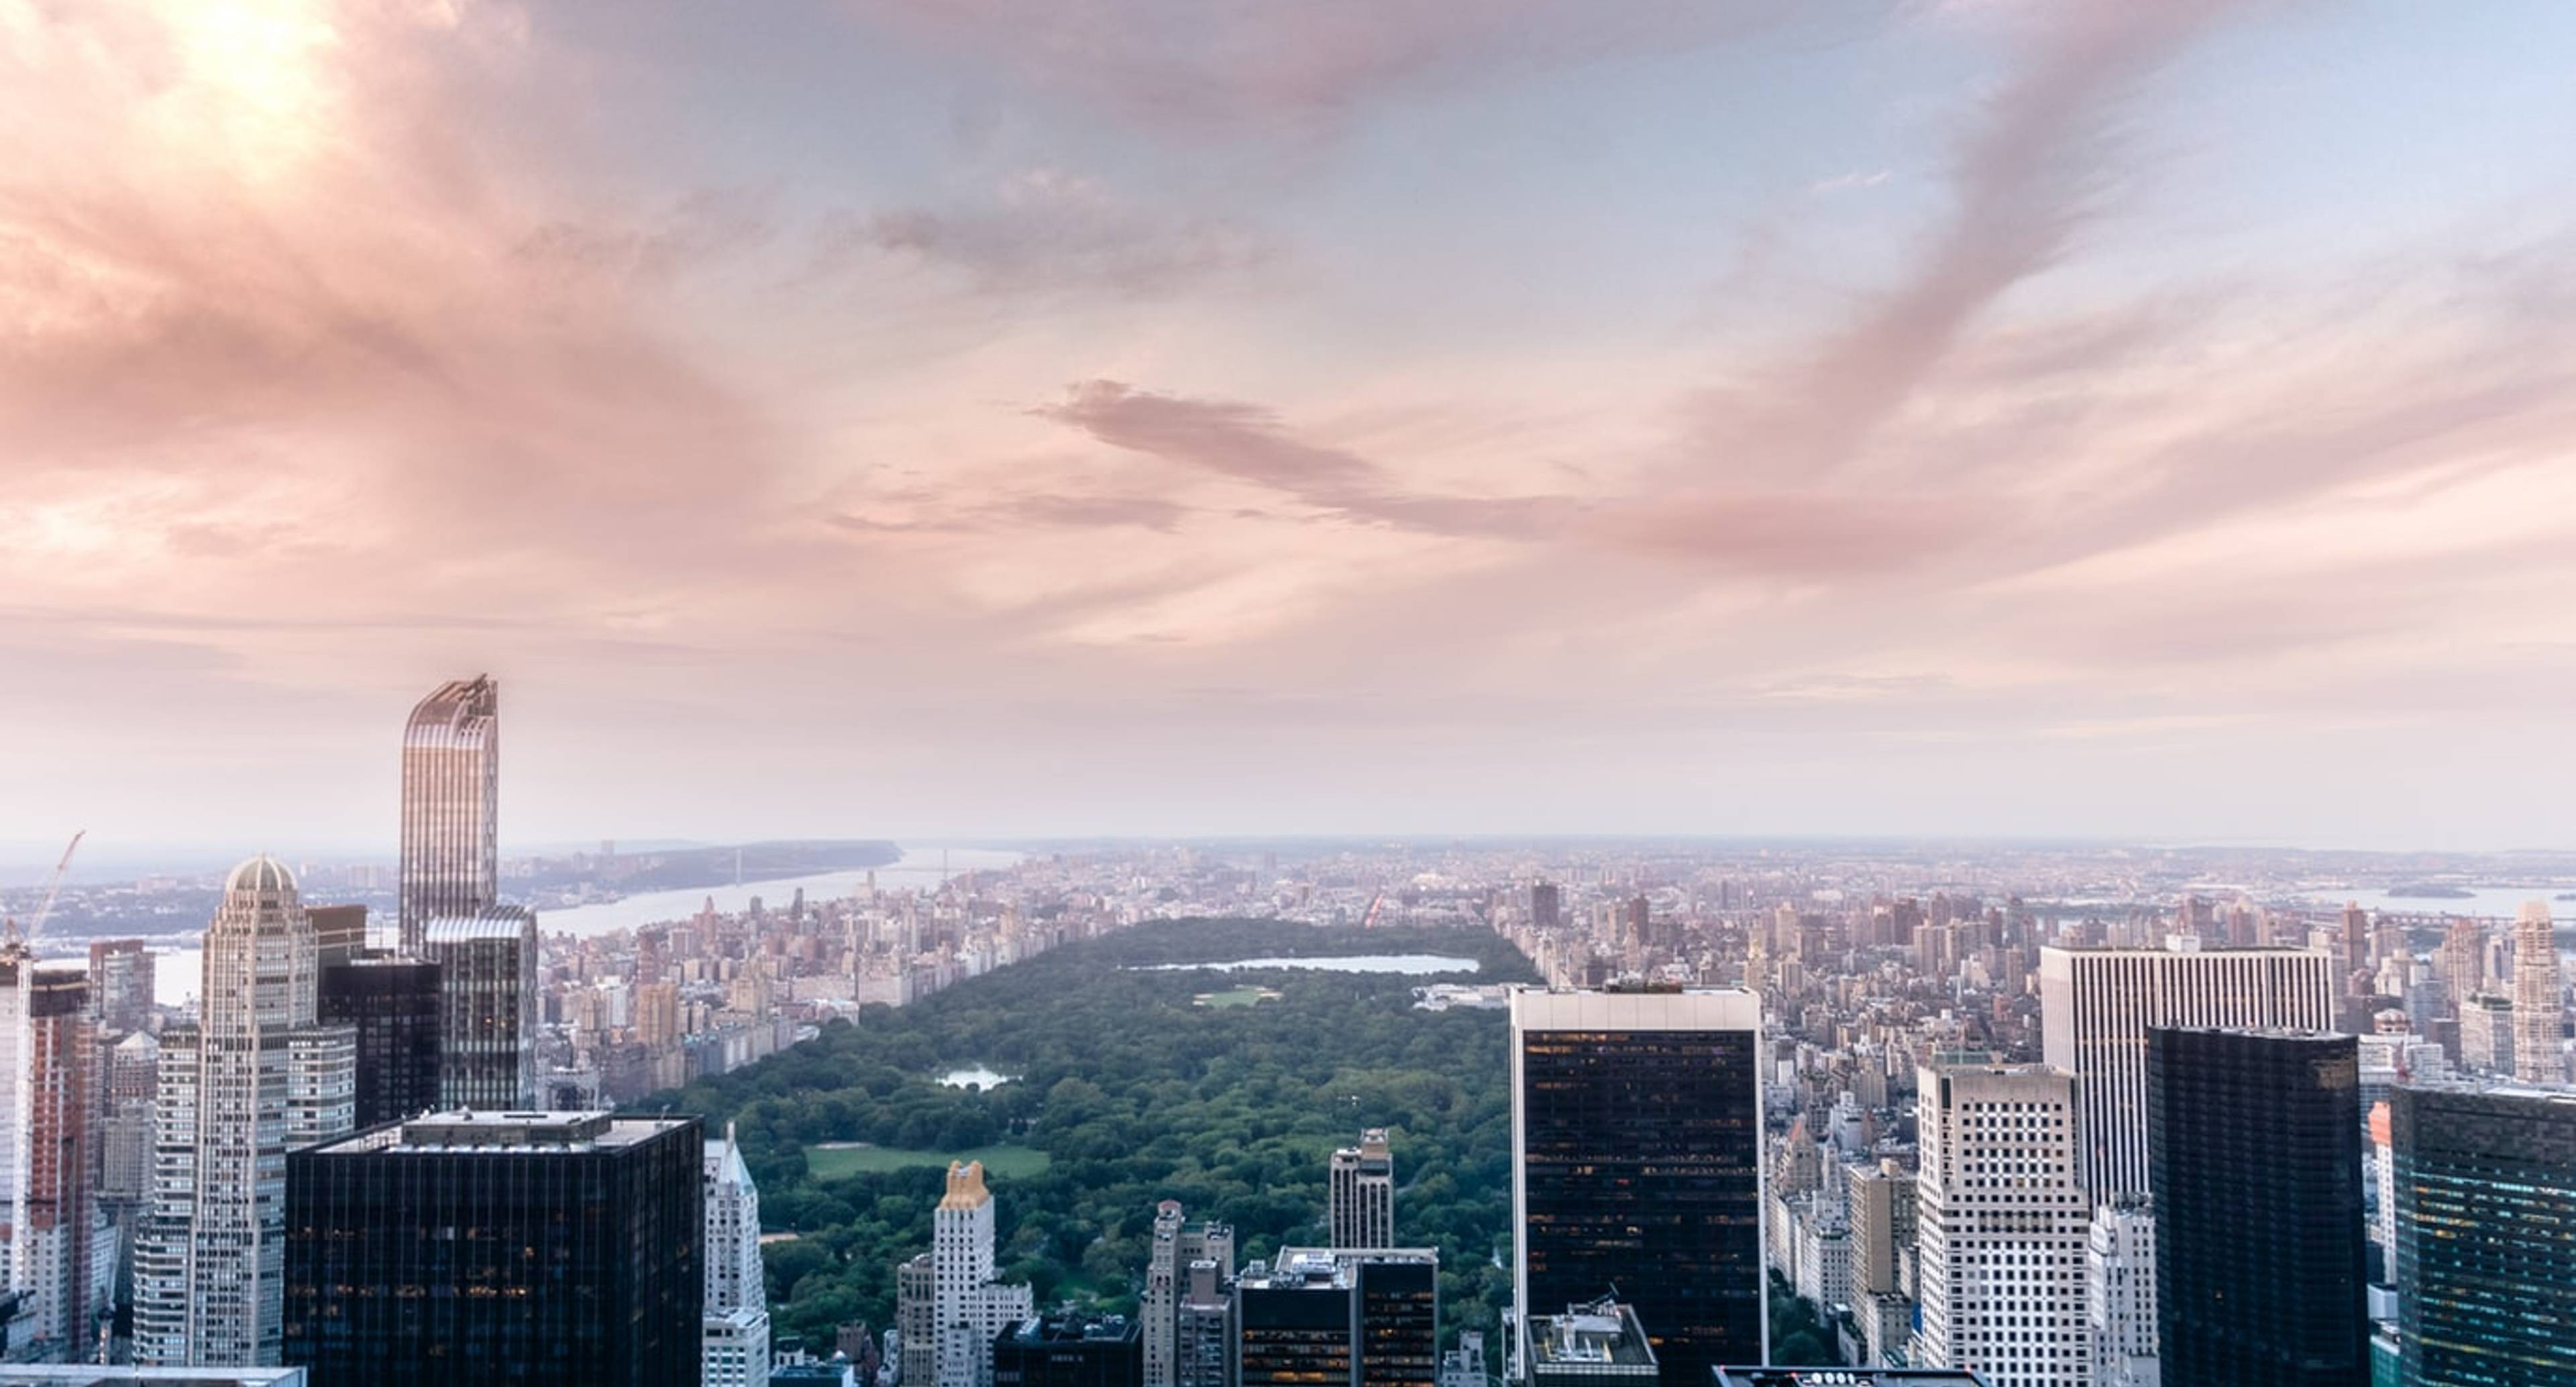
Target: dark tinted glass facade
(1053, 1353)
(394, 1004)
(2254, 1158)
(1399, 1324)
(1294, 1336)
(1327, 1318)
(1641, 1157)
(2486, 1236)
(528, 1265)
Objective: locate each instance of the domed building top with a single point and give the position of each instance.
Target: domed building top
(263, 875)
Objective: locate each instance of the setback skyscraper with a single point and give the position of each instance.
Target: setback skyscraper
(2096, 1006)
(2254, 1151)
(737, 1300)
(2538, 1057)
(2486, 1235)
(2002, 1224)
(451, 797)
(55, 1216)
(1171, 1356)
(530, 1248)
(257, 1076)
(1361, 1197)
(1636, 1166)
(488, 996)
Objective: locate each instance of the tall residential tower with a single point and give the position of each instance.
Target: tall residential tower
(1362, 1195)
(2538, 1057)
(451, 795)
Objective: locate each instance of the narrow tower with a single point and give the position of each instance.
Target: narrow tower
(451, 792)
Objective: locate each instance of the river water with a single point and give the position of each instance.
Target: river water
(2489, 901)
(177, 973)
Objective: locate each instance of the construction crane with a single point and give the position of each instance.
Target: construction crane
(53, 888)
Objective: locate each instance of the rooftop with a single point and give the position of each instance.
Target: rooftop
(1847, 1377)
(468, 1130)
(1604, 1334)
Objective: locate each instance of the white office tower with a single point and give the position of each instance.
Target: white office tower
(736, 1346)
(2538, 1057)
(2120, 1296)
(2097, 1004)
(2003, 1225)
(1361, 1197)
(968, 1305)
(255, 1077)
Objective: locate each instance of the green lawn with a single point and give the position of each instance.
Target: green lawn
(1239, 997)
(831, 1163)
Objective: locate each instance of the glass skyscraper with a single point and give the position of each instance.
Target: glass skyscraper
(1636, 1166)
(2254, 1156)
(451, 779)
(2486, 1235)
(528, 1248)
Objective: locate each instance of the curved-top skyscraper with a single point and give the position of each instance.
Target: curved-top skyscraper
(451, 792)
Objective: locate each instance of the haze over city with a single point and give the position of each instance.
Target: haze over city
(1205, 416)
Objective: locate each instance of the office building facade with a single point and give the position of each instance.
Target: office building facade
(2002, 1225)
(2096, 1006)
(120, 984)
(969, 1308)
(2120, 1295)
(536, 1248)
(396, 1009)
(451, 799)
(1339, 1317)
(2254, 1155)
(56, 1224)
(1360, 1198)
(488, 1008)
(2486, 1235)
(1637, 1166)
(258, 1075)
(1059, 1351)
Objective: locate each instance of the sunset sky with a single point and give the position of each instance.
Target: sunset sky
(929, 417)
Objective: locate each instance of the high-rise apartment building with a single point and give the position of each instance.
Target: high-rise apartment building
(451, 798)
(1361, 1197)
(2003, 1224)
(2486, 1035)
(1547, 905)
(2254, 1154)
(54, 1217)
(339, 932)
(1637, 1165)
(737, 1295)
(2354, 942)
(2486, 1235)
(2538, 1055)
(2096, 1006)
(488, 999)
(2464, 949)
(1339, 1317)
(120, 984)
(257, 1076)
(531, 1248)
(1178, 1247)
(969, 1308)
(1203, 1337)
(396, 1008)
(2120, 1295)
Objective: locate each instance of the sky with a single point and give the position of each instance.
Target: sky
(1017, 417)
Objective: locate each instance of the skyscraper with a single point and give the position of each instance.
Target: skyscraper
(2538, 1057)
(488, 998)
(2096, 1006)
(529, 1248)
(257, 1076)
(1636, 1166)
(2002, 1224)
(1169, 1286)
(969, 1308)
(2254, 1153)
(2486, 1235)
(2464, 949)
(451, 796)
(2120, 1296)
(1359, 1317)
(1362, 1194)
(395, 1007)
(55, 1216)
(737, 1298)
(120, 984)
(2356, 945)
(2486, 1035)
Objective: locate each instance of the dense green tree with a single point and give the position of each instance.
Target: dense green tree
(1136, 1095)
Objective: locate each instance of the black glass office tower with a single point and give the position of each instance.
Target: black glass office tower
(2254, 1159)
(553, 1249)
(1339, 1317)
(395, 1005)
(1053, 1351)
(1636, 1150)
(2486, 1234)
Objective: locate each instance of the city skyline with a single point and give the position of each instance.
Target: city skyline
(1850, 417)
